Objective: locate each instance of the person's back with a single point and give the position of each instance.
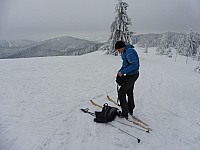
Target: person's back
(130, 60)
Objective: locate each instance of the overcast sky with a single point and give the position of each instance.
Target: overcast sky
(44, 19)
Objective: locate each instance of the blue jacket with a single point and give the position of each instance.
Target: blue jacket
(130, 64)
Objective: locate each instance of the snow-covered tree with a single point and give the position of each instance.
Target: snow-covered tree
(119, 27)
(146, 49)
(197, 68)
(180, 43)
(151, 40)
(105, 47)
(185, 44)
(198, 54)
(193, 43)
(163, 45)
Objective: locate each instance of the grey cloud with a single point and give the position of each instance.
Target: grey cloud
(29, 18)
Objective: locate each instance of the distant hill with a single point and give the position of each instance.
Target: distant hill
(61, 46)
(15, 43)
(11, 47)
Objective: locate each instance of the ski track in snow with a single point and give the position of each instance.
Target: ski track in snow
(40, 101)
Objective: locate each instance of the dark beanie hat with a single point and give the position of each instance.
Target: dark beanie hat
(119, 44)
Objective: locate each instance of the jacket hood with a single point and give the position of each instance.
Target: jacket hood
(129, 46)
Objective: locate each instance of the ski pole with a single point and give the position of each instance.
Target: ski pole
(138, 140)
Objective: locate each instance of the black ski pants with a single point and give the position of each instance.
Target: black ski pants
(127, 88)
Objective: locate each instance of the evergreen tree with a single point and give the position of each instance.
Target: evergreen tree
(198, 54)
(181, 41)
(197, 68)
(193, 43)
(163, 45)
(119, 27)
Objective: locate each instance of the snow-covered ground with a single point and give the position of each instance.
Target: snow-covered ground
(40, 100)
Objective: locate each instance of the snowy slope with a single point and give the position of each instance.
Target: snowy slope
(40, 100)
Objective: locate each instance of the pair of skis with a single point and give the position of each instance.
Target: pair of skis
(136, 120)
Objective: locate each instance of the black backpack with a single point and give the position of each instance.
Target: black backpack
(107, 114)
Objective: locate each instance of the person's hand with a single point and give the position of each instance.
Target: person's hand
(119, 74)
